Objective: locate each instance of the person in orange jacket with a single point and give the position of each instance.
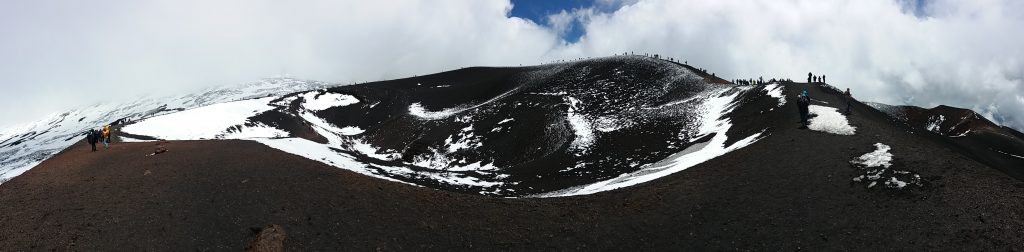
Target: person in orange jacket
(106, 136)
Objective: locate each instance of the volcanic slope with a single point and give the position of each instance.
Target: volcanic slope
(552, 130)
(794, 189)
(998, 146)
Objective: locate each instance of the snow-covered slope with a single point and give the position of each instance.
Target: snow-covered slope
(551, 130)
(21, 148)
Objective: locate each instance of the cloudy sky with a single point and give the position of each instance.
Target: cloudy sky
(60, 54)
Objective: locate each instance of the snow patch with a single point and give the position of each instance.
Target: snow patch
(328, 100)
(879, 157)
(875, 167)
(962, 134)
(209, 122)
(437, 160)
(417, 110)
(829, 120)
(1012, 155)
(351, 130)
(934, 123)
(125, 139)
(258, 131)
(464, 140)
(442, 160)
(609, 124)
(775, 90)
(284, 102)
(581, 126)
(371, 151)
(501, 125)
(895, 183)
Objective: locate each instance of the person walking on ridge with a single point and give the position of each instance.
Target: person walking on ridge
(849, 101)
(91, 136)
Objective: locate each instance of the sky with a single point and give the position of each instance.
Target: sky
(56, 55)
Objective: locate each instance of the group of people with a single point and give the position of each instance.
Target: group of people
(814, 78)
(93, 136)
(761, 81)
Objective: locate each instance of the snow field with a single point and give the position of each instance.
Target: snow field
(209, 122)
(829, 120)
(326, 100)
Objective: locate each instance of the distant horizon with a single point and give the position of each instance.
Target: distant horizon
(556, 61)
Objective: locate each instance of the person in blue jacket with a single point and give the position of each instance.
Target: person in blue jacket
(803, 103)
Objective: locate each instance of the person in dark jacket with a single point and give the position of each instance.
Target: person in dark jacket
(849, 101)
(92, 137)
(803, 103)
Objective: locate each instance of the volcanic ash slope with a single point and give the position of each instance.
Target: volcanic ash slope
(550, 130)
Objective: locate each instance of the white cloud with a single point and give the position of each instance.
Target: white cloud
(613, 4)
(56, 54)
(561, 22)
(959, 53)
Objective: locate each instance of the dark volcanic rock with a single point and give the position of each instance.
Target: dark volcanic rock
(998, 146)
(523, 130)
(268, 239)
(569, 128)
